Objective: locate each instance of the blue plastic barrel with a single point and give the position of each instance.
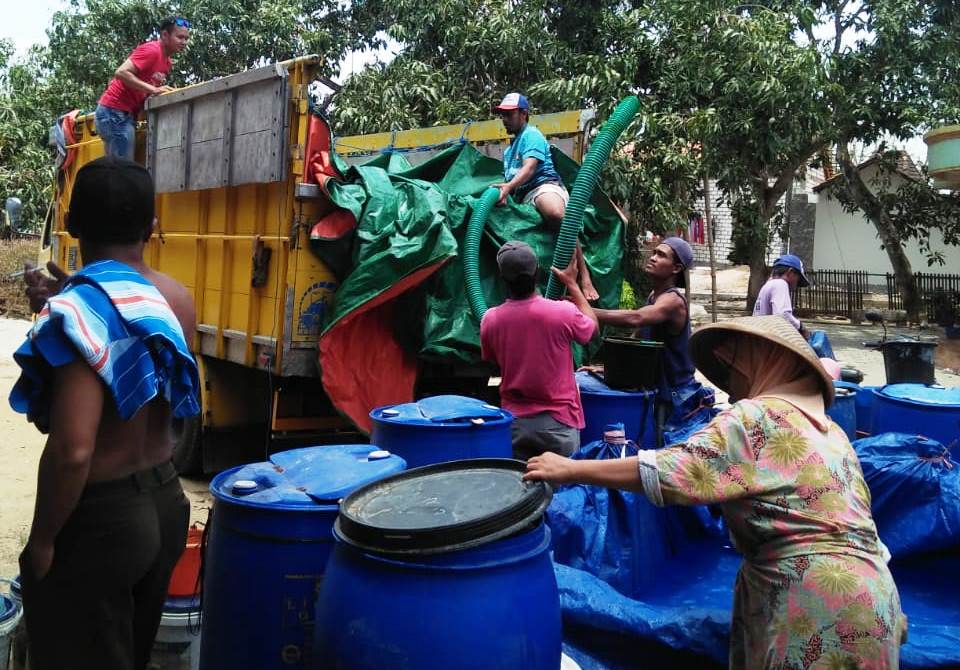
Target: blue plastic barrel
(863, 402)
(446, 567)
(269, 539)
(917, 409)
(442, 428)
(603, 405)
(843, 411)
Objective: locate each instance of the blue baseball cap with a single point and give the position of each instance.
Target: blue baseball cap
(793, 262)
(512, 101)
(681, 251)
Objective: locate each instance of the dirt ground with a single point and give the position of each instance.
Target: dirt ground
(22, 443)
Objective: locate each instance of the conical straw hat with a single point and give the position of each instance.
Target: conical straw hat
(775, 329)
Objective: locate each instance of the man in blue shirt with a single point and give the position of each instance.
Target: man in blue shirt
(531, 178)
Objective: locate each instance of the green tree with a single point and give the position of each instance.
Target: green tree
(898, 78)
(26, 169)
(749, 93)
(90, 38)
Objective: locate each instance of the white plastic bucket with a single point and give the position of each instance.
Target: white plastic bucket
(177, 645)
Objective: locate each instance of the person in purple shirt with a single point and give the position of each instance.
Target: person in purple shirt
(530, 338)
(774, 298)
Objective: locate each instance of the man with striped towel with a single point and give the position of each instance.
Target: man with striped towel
(105, 367)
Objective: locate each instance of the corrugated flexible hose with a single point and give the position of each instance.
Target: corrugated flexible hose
(583, 187)
(582, 191)
(471, 250)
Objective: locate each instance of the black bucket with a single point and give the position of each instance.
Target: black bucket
(909, 361)
(631, 364)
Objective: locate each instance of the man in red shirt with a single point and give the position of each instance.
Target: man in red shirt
(143, 74)
(530, 338)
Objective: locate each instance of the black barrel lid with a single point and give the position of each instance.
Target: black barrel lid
(443, 507)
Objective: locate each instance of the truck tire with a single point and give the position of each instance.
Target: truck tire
(188, 446)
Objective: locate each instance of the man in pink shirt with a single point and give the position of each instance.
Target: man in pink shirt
(143, 74)
(530, 338)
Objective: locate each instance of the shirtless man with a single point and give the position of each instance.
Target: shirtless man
(105, 367)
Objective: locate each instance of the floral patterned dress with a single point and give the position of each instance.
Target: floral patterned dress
(814, 591)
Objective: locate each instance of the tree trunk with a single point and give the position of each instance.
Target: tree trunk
(758, 274)
(708, 227)
(874, 211)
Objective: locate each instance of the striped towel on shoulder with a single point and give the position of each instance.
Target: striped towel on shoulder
(109, 315)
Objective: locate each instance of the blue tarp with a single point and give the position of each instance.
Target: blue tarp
(820, 343)
(686, 622)
(915, 492)
(651, 587)
(620, 536)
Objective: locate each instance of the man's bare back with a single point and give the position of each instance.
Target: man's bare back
(125, 447)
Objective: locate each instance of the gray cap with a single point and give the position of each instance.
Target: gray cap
(515, 259)
(681, 251)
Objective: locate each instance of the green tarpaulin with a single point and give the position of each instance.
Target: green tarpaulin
(402, 295)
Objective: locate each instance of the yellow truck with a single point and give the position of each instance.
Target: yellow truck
(234, 209)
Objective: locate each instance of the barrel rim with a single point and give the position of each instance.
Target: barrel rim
(653, 344)
(942, 134)
(525, 513)
(610, 392)
(409, 562)
(376, 414)
(882, 391)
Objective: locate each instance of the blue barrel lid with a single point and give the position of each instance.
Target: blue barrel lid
(306, 477)
(922, 394)
(443, 507)
(8, 608)
(441, 410)
(591, 384)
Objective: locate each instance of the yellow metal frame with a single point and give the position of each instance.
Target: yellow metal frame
(573, 123)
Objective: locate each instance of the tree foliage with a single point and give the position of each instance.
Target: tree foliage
(749, 93)
(26, 170)
(90, 38)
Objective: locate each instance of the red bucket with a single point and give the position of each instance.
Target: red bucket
(184, 582)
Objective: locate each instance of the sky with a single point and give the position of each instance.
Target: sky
(25, 25)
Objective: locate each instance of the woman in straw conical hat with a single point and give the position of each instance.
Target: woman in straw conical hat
(813, 590)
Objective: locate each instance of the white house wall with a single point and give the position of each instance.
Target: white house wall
(845, 241)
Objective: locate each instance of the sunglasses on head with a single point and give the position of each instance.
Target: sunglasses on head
(183, 23)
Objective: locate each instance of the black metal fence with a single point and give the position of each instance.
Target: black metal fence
(940, 295)
(832, 292)
(841, 292)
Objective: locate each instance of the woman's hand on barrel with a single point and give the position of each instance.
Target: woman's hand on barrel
(551, 467)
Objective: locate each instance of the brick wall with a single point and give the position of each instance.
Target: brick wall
(800, 227)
